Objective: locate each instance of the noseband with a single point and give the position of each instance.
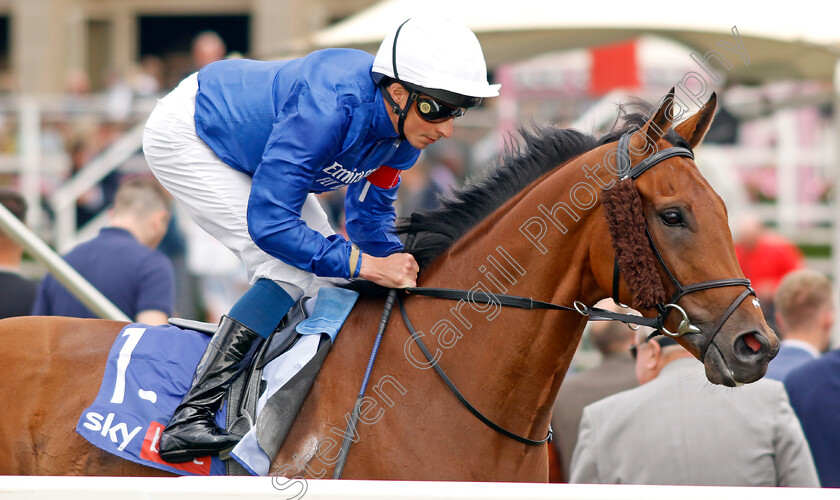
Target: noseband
(664, 308)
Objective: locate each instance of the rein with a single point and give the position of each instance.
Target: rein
(594, 313)
(496, 427)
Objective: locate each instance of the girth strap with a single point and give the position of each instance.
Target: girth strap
(457, 393)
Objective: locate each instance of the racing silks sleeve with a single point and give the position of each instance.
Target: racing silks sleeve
(305, 134)
(370, 213)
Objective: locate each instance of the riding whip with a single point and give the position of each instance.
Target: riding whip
(354, 414)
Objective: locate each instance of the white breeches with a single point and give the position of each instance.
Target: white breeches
(214, 193)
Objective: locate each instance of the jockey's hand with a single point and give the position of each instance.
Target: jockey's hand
(397, 270)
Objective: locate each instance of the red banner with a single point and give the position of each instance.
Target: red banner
(613, 66)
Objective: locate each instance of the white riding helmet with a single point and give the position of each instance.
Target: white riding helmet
(438, 57)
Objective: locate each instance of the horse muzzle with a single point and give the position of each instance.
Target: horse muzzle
(735, 349)
(737, 359)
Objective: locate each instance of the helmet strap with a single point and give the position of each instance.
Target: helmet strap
(402, 113)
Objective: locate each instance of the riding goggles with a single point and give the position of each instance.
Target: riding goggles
(435, 111)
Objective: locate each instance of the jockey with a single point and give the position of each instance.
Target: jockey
(244, 145)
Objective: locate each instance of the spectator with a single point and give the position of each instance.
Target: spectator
(121, 261)
(765, 258)
(805, 315)
(435, 175)
(147, 79)
(220, 276)
(677, 429)
(207, 47)
(448, 169)
(416, 190)
(814, 390)
(16, 292)
(100, 196)
(615, 373)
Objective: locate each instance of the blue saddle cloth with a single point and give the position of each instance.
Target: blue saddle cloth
(149, 370)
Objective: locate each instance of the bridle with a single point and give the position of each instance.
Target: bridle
(681, 290)
(592, 313)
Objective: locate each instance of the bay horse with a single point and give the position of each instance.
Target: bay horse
(535, 228)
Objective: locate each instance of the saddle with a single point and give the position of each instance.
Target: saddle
(281, 408)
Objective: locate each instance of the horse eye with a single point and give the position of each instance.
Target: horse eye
(671, 218)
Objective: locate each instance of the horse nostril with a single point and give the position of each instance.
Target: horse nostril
(750, 345)
(752, 342)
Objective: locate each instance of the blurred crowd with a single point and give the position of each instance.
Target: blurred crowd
(208, 278)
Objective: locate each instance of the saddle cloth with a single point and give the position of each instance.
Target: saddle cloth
(150, 368)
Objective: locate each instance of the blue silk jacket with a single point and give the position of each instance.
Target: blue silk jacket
(303, 126)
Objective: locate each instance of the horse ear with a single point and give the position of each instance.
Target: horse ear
(644, 142)
(694, 129)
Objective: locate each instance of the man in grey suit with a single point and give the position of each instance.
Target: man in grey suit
(676, 428)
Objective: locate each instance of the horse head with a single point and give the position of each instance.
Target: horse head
(674, 251)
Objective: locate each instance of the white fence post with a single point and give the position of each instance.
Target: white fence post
(29, 156)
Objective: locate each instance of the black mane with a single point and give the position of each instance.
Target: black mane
(541, 150)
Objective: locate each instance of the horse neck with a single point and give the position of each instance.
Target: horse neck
(529, 247)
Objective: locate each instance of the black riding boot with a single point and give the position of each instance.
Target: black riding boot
(192, 431)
